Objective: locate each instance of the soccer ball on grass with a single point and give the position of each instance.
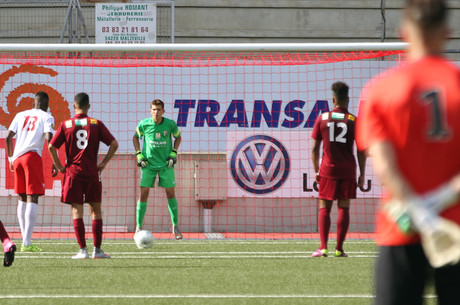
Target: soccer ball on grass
(143, 239)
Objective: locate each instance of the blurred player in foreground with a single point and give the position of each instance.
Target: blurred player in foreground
(82, 183)
(409, 124)
(31, 128)
(8, 247)
(337, 175)
(158, 156)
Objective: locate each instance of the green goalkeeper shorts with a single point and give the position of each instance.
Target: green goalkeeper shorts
(166, 177)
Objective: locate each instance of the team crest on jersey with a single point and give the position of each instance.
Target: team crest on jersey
(81, 122)
(93, 122)
(157, 135)
(165, 133)
(68, 124)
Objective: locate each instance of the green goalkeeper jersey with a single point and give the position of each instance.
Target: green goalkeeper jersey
(157, 140)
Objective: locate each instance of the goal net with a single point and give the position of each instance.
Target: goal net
(245, 113)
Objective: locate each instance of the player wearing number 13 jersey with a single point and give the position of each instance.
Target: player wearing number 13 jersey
(337, 175)
(81, 183)
(31, 128)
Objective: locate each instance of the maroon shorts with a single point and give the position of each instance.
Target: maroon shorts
(81, 189)
(332, 189)
(28, 174)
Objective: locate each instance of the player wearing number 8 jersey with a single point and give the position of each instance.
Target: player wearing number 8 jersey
(337, 175)
(31, 128)
(81, 183)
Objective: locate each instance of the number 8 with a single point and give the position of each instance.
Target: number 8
(82, 138)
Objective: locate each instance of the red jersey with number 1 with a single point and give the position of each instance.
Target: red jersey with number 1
(417, 109)
(336, 129)
(81, 136)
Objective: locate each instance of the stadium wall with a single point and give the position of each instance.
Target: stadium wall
(218, 21)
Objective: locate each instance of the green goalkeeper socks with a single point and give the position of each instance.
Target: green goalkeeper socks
(173, 210)
(142, 207)
(140, 213)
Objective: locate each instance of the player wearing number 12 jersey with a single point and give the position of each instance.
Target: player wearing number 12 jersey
(337, 175)
(81, 183)
(31, 128)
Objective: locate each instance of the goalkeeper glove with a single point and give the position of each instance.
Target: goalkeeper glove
(172, 158)
(421, 212)
(141, 160)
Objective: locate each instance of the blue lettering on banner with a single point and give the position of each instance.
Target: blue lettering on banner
(271, 118)
(207, 112)
(292, 112)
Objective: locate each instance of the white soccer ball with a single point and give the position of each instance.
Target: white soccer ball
(143, 239)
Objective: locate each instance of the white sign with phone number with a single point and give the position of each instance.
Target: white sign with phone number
(125, 23)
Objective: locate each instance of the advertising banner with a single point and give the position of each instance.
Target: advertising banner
(125, 23)
(254, 114)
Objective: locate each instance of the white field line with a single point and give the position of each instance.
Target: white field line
(193, 255)
(207, 242)
(196, 296)
(147, 252)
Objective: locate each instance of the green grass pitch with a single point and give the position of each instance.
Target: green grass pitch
(192, 272)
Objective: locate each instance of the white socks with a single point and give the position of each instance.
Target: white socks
(27, 215)
(22, 215)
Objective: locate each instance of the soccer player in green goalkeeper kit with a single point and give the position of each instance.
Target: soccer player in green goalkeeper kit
(157, 158)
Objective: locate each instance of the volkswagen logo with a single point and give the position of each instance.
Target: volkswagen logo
(260, 164)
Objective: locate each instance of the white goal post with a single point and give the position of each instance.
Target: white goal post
(218, 47)
(245, 112)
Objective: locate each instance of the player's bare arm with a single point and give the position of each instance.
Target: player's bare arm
(177, 142)
(54, 156)
(48, 137)
(10, 147)
(136, 143)
(315, 157)
(362, 167)
(112, 149)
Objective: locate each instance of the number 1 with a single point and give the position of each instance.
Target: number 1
(438, 128)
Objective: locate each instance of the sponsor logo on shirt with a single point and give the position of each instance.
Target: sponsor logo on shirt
(68, 124)
(337, 116)
(157, 135)
(93, 122)
(81, 122)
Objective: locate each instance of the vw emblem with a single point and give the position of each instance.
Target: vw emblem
(260, 164)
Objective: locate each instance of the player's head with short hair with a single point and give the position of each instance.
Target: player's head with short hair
(340, 93)
(41, 100)
(157, 109)
(158, 102)
(81, 101)
(425, 20)
(426, 14)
